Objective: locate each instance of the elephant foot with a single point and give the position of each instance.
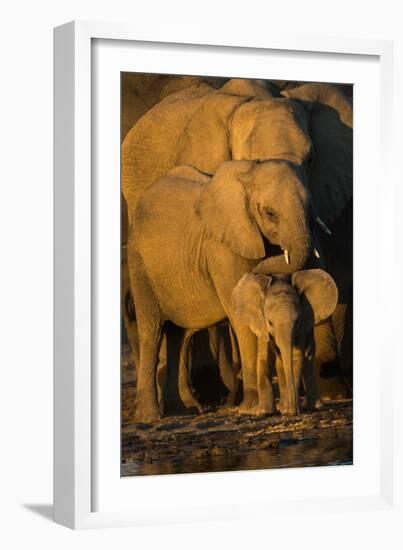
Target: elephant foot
(193, 406)
(183, 406)
(314, 405)
(318, 404)
(228, 409)
(197, 410)
(288, 411)
(245, 409)
(265, 410)
(228, 401)
(256, 410)
(249, 404)
(147, 416)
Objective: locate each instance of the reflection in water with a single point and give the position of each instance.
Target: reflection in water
(290, 454)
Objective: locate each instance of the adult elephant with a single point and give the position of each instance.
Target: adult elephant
(183, 268)
(139, 94)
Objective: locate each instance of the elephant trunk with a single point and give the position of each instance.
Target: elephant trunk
(297, 248)
(285, 344)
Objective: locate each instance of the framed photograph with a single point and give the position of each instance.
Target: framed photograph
(216, 218)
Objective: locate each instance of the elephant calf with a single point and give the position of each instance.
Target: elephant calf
(283, 310)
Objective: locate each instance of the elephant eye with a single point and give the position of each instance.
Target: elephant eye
(270, 214)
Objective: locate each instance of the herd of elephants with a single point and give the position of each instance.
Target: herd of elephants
(237, 243)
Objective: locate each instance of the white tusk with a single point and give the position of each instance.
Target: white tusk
(316, 253)
(323, 225)
(286, 256)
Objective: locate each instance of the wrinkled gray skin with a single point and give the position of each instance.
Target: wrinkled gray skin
(184, 267)
(283, 311)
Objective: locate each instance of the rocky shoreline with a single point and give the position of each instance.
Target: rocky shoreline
(224, 440)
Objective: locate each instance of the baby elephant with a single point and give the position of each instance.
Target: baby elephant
(283, 310)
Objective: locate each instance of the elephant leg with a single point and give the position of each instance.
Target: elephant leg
(177, 394)
(128, 309)
(172, 342)
(173, 385)
(343, 324)
(147, 400)
(185, 392)
(297, 368)
(213, 341)
(282, 386)
(227, 372)
(218, 352)
(312, 398)
(149, 320)
(327, 368)
(264, 385)
(162, 369)
(133, 337)
(247, 342)
(284, 405)
(235, 370)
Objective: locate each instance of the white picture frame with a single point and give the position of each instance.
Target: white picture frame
(86, 493)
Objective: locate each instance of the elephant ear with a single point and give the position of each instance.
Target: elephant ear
(247, 300)
(223, 210)
(331, 130)
(318, 293)
(204, 141)
(274, 128)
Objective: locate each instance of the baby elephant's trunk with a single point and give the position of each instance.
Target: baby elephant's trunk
(288, 394)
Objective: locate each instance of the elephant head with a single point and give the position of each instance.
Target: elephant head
(244, 121)
(286, 310)
(246, 201)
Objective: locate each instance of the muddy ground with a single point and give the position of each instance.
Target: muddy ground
(224, 440)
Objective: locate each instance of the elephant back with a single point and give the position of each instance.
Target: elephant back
(140, 92)
(149, 149)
